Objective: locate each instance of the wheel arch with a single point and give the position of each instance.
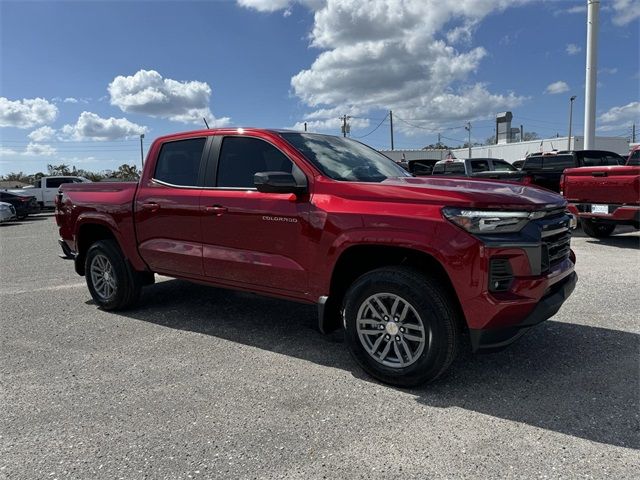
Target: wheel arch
(89, 233)
(357, 260)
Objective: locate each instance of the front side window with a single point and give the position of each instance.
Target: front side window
(634, 158)
(479, 166)
(179, 162)
(502, 166)
(56, 182)
(344, 159)
(242, 157)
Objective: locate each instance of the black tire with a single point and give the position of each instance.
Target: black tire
(597, 230)
(127, 282)
(432, 307)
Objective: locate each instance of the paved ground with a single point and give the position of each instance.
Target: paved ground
(205, 383)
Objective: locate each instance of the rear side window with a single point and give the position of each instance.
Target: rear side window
(557, 162)
(533, 163)
(242, 157)
(454, 168)
(179, 162)
(613, 160)
(438, 169)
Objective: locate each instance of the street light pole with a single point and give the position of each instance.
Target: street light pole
(573, 97)
(141, 151)
(468, 129)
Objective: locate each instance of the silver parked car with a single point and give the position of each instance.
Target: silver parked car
(7, 212)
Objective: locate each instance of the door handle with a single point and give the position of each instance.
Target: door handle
(151, 207)
(216, 210)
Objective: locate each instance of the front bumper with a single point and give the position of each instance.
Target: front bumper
(494, 339)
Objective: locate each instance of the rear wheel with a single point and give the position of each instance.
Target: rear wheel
(401, 326)
(113, 284)
(597, 230)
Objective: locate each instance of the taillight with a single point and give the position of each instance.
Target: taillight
(562, 184)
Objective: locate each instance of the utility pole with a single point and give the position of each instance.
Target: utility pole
(573, 97)
(141, 151)
(345, 125)
(522, 133)
(305, 126)
(468, 129)
(593, 8)
(438, 140)
(391, 122)
(633, 133)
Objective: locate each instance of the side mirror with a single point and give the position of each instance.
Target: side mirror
(278, 182)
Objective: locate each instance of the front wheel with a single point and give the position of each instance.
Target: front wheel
(401, 326)
(113, 284)
(597, 230)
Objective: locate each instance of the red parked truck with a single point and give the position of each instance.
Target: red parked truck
(604, 197)
(407, 266)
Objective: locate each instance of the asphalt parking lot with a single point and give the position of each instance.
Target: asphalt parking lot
(198, 382)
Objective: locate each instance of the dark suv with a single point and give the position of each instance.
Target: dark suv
(545, 169)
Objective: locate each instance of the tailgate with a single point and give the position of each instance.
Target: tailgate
(602, 185)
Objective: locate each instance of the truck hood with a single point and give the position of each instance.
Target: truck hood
(461, 192)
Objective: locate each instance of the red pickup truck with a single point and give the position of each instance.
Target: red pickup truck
(409, 267)
(603, 197)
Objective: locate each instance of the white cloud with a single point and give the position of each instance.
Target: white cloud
(147, 92)
(625, 11)
(70, 100)
(573, 49)
(608, 71)
(42, 134)
(572, 10)
(26, 113)
(623, 114)
(39, 150)
(393, 55)
(556, 88)
(93, 127)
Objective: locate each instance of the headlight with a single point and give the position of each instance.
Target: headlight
(5, 207)
(487, 221)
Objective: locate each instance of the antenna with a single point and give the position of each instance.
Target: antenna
(205, 122)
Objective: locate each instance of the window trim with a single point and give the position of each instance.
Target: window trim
(203, 157)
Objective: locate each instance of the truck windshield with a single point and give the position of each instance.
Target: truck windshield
(344, 159)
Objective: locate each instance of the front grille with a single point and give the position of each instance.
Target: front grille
(556, 242)
(500, 275)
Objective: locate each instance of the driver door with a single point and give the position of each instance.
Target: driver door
(252, 238)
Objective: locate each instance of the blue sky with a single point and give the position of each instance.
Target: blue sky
(80, 81)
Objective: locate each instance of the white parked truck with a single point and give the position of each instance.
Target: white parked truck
(46, 189)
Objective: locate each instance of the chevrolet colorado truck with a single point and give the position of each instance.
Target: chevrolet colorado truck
(604, 197)
(409, 267)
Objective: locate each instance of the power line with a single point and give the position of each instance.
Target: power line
(377, 127)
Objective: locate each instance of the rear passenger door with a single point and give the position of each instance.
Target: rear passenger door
(251, 238)
(167, 209)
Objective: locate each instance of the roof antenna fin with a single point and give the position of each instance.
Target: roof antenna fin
(205, 122)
